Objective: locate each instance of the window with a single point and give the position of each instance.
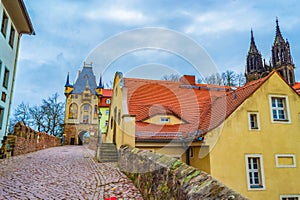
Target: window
(107, 112)
(253, 119)
(86, 107)
(73, 111)
(107, 101)
(6, 78)
(285, 160)
(106, 123)
(255, 173)
(164, 119)
(85, 119)
(12, 36)
(4, 24)
(3, 97)
(119, 117)
(1, 116)
(279, 108)
(290, 197)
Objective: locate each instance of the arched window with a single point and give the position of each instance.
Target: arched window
(86, 113)
(73, 110)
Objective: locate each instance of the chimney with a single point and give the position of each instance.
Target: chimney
(188, 79)
(78, 73)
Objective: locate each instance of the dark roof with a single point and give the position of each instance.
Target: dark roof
(85, 76)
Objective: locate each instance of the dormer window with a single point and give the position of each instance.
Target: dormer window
(165, 120)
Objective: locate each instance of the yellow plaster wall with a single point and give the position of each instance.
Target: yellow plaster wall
(125, 126)
(200, 161)
(227, 157)
(156, 120)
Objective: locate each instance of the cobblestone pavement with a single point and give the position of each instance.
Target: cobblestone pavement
(67, 172)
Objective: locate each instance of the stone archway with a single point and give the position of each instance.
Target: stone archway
(84, 137)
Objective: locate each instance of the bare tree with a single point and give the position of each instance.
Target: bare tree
(53, 112)
(22, 114)
(241, 79)
(171, 77)
(48, 117)
(37, 115)
(229, 78)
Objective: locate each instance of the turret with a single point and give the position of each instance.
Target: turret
(68, 87)
(99, 88)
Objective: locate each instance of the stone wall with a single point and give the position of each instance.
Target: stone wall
(25, 140)
(161, 177)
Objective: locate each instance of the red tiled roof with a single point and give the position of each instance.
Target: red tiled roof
(107, 92)
(203, 107)
(296, 87)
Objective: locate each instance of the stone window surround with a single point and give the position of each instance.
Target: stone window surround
(260, 157)
(287, 109)
(257, 121)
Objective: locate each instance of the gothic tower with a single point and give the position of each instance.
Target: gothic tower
(255, 68)
(81, 113)
(281, 57)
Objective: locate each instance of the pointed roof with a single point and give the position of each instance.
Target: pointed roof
(253, 48)
(68, 82)
(201, 109)
(86, 76)
(278, 37)
(101, 86)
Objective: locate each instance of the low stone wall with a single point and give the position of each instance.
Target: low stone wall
(25, 140)
(161, 177)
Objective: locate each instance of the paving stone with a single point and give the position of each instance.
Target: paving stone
(66, 172)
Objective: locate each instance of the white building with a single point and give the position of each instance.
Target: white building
(14, 22)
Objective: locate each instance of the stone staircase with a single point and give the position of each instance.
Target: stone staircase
(108, 153)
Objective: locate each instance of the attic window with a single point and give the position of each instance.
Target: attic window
(253, 118)
(165, 120)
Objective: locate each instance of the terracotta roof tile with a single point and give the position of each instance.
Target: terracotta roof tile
(202, 106)
(296, 87)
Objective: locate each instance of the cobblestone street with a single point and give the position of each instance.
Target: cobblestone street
(67, 172)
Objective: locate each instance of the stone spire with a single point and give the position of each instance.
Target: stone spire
(254, 66)
(253, 48)
(281, 57)
(278, 37)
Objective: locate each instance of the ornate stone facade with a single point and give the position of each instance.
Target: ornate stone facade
(81, 113)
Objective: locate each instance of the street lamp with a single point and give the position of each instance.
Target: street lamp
(99, 138)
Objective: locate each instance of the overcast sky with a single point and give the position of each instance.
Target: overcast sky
(68, 31)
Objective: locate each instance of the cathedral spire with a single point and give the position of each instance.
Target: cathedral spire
(254, 66)
(253, 48)
(278, 38)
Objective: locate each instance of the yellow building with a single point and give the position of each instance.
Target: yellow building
(81, 112)
(256, 149)
(245, 137)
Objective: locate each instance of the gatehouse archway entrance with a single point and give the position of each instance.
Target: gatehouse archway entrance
(84, 137)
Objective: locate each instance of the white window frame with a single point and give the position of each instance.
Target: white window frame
(289, 196)
(249, 121)
(262, 175)
(286, 156)
(287, 109)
